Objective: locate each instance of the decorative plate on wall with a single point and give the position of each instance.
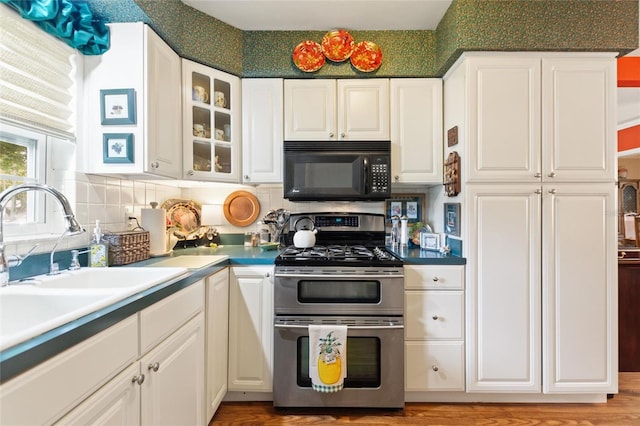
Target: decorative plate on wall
(366, 56)
(184, 215)
(337, 45)
(241, 208)
(308, 56)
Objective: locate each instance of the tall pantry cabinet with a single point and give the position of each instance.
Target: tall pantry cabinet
(538, 201)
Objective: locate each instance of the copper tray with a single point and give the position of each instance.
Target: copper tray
(241, 208)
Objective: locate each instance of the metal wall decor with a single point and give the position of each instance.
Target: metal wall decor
(452, 175)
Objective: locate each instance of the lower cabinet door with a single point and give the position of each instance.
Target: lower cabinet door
(173, 390)
(434, 366)
(116, 403)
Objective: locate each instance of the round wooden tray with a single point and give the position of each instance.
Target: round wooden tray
(241, 208)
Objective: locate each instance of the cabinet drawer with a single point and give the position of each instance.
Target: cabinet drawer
(434, 277)
(434, 366)
(46, 392)
(161, 319)
(434, 314)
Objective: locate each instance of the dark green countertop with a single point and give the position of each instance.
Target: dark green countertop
(23, 356)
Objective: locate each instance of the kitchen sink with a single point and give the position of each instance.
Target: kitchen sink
(125, 278)
(31, 307)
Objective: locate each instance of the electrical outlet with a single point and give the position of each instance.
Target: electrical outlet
(128, 213)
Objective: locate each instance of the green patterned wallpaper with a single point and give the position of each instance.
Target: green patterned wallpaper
(510, 25)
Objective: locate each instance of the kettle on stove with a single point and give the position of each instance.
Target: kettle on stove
(305, 236)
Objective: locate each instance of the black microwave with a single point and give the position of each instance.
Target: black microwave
(337, 170)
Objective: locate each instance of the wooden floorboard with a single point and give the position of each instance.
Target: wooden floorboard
(621, 410)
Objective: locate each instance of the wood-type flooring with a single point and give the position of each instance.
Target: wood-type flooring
(621, 410)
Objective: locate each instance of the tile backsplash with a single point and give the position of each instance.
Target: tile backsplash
(112, 200)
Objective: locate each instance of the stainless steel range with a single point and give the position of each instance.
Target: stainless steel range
(347, 278)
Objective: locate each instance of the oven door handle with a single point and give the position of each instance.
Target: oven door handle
(349, 327)
(333, 277)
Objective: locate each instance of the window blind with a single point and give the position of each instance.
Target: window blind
(37, 77)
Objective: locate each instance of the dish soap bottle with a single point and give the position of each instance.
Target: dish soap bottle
(98, 249)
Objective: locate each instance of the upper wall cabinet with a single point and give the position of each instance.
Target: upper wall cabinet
(211, 123)
(132, 120)
(336, 109)
(541, 119)
(416, 130)
(262, 106)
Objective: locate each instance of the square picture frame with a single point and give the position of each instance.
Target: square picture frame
(452, 219)
(117, 106)
(117, 148)
(411, 205)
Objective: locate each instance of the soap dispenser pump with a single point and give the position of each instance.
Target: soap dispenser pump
(98, 249)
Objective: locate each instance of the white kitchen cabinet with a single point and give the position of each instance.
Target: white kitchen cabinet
(173, 391)
(217, 339)
(140, 60)
(116, 403)
(416, 130)
(434, 328)
(534, 118)
(346, 109)
(537, 225)
(251, 329)
(579, 290)
(146, 369)
(542, 273)
(262, 130)
(166, 387)
(91, 364)
(211, 123)
(504, 288)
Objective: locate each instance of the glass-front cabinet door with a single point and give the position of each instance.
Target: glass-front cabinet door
(211, 123)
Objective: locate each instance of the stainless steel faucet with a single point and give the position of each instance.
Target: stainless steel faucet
(73, 227)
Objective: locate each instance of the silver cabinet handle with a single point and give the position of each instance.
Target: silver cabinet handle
(154, 367)
(396, 178)
(138, 379)
(552, 175)
(538, 191)
(434, 367)
(190, 173)
(435, 317)
(155, 165)
(537, 175)
(331, 135)
(552, 191)
(246, 177)
(267, 275)
(436, 279)
(343, 135)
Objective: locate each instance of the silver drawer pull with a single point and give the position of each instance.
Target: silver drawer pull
(435, 317)
(436, 279)
(434, 368)
(155, 366)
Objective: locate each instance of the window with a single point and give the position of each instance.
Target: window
(38, 95)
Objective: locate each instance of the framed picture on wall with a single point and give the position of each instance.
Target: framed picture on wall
(117, 106)
(117, 148)
(452, 218)
(410, 205)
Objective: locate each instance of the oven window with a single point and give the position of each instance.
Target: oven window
(338, 291)
(363, 363)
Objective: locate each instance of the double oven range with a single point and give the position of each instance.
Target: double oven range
(347, 278)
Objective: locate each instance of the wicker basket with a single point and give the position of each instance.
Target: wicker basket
(127, 247)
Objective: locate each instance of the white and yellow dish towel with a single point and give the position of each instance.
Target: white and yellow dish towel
(327, 357)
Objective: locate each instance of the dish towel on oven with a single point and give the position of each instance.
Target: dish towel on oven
(327, 357)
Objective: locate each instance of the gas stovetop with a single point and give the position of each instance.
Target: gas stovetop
(345, 239)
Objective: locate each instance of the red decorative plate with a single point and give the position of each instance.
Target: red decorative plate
(308, 56)
(337, 45)
(366, 57)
